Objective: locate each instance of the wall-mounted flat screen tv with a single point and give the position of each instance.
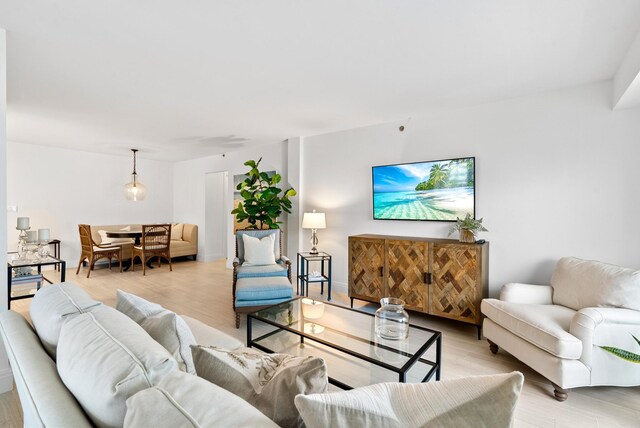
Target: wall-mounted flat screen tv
(438, 190)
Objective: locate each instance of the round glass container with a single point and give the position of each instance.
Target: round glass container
(392, 321)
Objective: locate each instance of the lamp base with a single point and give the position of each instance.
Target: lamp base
(314, 241)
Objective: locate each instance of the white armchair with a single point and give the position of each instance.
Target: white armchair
(558, 330)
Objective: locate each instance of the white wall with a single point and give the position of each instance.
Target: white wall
(59, 189)
(557, 174)
(6, 380)
(189, 184)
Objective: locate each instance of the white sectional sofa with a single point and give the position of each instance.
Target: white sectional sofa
(86, 364)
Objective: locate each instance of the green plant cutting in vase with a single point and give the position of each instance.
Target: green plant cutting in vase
(621, 353)
(468, 228)
(263, 202)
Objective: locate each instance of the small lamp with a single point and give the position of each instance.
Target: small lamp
(313, 310)
(314, 221)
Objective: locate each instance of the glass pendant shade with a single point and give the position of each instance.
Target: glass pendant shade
(134, 190)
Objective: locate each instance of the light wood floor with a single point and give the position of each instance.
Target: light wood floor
(203, 291)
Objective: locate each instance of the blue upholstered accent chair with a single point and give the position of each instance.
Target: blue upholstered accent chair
(251, 295)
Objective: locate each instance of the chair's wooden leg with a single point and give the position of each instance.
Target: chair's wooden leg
(493, 347)
(120, 260)
(109, 263)
(560, 394)
(237, 319)
(79, 265)
(92, 262)
(170, 266)
(144, 266)
(159, 262)
(133, 263)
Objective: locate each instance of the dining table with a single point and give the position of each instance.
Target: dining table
(136, 235)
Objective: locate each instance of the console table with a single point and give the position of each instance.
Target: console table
(441, 277)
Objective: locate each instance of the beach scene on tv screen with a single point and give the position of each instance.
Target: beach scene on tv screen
(441, 190)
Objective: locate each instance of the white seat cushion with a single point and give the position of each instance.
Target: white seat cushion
(545, 326)
(151, 247)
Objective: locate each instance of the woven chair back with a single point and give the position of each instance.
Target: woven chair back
(86, 241)
(156, 237)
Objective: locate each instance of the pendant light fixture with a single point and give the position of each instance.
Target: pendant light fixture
(134, 190)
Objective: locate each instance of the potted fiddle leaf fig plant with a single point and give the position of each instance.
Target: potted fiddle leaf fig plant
(263, 201)
(468, 228)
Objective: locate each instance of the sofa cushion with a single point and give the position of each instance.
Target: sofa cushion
(484, 401)
(579, 284)
(269, 382)
(54, 305)
(260, 271)
(184, 400)
(263, 288)
(176, 231)
(104, 358)
(166, 327)
(546, 326)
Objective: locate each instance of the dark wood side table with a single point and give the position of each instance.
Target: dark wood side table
(304, 275)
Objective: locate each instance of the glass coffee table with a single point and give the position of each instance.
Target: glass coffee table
(346, 339)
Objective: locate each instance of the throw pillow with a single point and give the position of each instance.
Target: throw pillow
(104, 358)
(258, 252)
(183, 400)
(269, 382)
(482, 401)
(177, 231)
(579, 284)
(166, 327)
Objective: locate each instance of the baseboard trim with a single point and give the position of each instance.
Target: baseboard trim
(6, 380)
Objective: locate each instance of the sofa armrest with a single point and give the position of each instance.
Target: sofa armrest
(285, 260)
(605, 327)
(515, 292)
(236, 262)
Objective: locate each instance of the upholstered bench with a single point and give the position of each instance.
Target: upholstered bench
(254, 293)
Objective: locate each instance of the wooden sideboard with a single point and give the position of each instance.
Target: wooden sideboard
(441, 277)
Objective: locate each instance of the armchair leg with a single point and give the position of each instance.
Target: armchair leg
(237, 319)
(493, 347)
(560, 394)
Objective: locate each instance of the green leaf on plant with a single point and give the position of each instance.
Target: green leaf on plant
(621, 353)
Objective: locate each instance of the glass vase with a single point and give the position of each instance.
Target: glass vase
(392, 321)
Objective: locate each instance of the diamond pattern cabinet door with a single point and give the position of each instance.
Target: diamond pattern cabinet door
(456, 291)
(366, 262)
(407, 264)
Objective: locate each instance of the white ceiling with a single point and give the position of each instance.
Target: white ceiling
(186, 79)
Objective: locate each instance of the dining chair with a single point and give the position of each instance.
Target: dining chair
(155, 242)
(93, 252)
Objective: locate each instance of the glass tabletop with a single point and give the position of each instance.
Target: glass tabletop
(346, 329)
(49, 260)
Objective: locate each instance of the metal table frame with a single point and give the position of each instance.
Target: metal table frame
(302, 275)
(402, 371)
(54, 261)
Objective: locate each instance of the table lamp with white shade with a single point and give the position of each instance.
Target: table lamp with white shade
(314, 221)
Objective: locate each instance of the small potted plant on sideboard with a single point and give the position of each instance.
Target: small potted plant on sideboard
(467, 228)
